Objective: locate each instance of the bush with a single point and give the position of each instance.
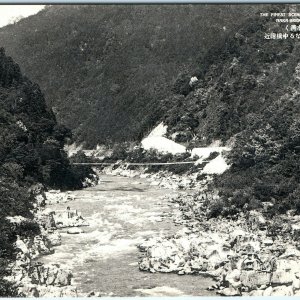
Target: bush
(78, 173)
(215, 208)
(6, 288)
(212, 155)
(181, 85)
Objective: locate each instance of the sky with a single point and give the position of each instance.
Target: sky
(10, 12)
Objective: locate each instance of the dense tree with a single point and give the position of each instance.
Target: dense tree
(107, 68)
(31, 150)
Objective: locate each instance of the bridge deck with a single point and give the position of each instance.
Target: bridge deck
(137, 164)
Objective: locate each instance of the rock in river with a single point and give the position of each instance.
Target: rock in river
(74, 230)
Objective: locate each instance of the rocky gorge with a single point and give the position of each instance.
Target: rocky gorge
(161, 179)
(31, 277)
(200, 195)
(246, 254)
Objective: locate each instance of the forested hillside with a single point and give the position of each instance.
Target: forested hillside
(237, 81)
(106, 69)
(112, 72)
(249, 95)
(31, 152)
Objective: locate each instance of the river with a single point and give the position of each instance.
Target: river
(122, 212)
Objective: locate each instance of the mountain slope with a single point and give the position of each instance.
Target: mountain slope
(243, 77)
(105, 69)
(31, 152)
(248, 96)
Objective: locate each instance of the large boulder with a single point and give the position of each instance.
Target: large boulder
(229, 292)
(51, 274)
(282, 278)
(254, 279)
(74, 230)
(45, 219)
(41, 246)
(54, 291)
(54, 239)
(296, 282)
(282, 291)
(234, 278)
(30, 290)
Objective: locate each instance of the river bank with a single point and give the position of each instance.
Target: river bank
(31, 277)
(122, 213)
(38, 236)
(248, 254)
(242, 255)
(137, 231)
(162, 179)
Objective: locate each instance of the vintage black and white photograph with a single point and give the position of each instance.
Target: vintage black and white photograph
(149, 150)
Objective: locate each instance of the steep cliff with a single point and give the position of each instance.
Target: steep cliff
(31, 152)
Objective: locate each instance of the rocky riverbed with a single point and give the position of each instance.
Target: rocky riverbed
(88, 243)
(161, 179)
(248, 254)
(121, 212)
(123, 220)
(32, 277)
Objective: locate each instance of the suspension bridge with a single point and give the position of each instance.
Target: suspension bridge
(136, 164)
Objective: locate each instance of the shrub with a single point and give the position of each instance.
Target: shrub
(181, 85)
(215, 208)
